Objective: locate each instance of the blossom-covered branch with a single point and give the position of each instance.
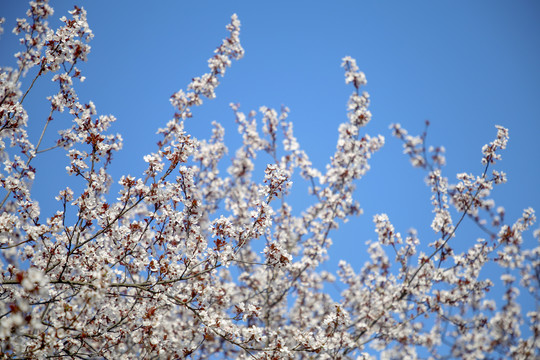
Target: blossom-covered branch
(194, 259)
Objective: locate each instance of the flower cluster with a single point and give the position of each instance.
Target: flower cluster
(193, 259)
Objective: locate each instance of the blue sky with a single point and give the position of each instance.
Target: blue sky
(464, 65)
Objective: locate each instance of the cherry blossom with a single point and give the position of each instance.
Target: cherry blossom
(194, 258)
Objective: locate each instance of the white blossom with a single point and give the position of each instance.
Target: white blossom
(203, 254)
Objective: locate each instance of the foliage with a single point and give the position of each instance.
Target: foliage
(169, 269)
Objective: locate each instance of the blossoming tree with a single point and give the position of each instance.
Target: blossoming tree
(167, 268)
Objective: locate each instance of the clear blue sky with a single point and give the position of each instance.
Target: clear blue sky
(464, 65)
